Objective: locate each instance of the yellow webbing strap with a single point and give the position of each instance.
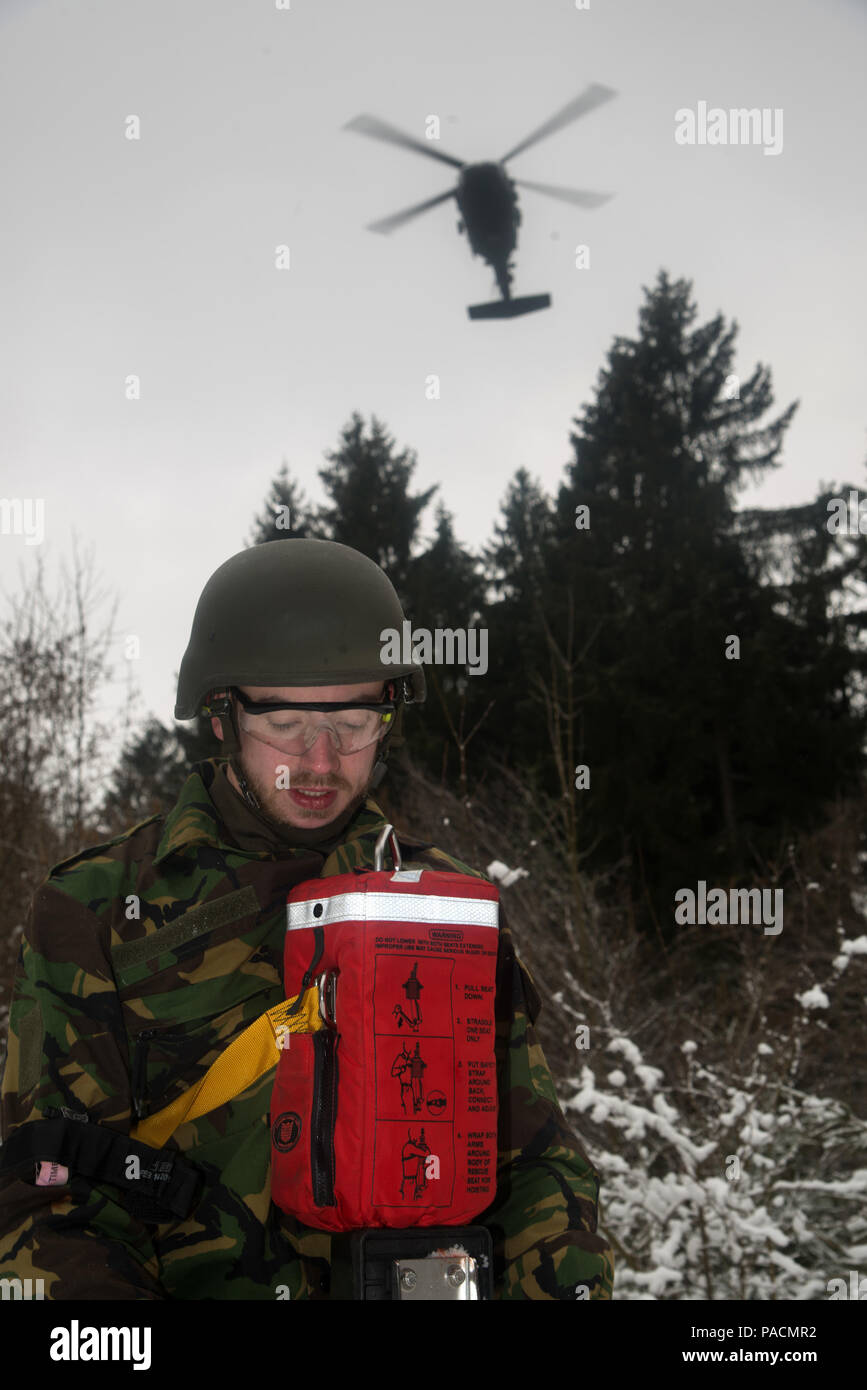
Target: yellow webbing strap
(247, 1058)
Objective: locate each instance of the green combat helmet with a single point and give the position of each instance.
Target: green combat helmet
(292, 612)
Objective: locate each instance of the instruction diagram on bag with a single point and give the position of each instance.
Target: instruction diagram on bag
(409, 1068)
(418, 1165)
(411, 1015)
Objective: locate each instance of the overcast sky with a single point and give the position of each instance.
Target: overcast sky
(156, 256)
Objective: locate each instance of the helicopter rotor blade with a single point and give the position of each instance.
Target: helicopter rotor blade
(398, 219)
(576, 196)
(593, 96)
(381, 130)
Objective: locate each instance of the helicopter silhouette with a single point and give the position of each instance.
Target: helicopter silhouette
(488, 199)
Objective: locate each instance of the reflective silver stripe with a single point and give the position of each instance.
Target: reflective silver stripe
(393, 907)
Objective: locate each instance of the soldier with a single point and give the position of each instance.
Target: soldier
(143, 957)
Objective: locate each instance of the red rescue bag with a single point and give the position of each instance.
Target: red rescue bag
(387, 1116)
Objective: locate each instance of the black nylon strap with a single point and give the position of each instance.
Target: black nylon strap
(318, 948)
(168, 1186)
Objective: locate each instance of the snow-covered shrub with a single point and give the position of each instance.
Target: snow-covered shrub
(722, 1188)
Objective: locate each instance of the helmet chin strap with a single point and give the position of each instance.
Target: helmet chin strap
(232, 745)
(380, 768)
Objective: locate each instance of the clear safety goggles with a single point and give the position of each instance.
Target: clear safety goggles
(293, 727)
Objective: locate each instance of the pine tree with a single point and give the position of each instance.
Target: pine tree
(372, 508)
(518, 563)
(286, 513)
(685, 744)
(444, 589)
(148, 777)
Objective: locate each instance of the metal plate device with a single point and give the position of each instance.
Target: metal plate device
(422, 1263)
(509, 308)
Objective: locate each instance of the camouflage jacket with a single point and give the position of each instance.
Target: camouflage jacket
(142, 958)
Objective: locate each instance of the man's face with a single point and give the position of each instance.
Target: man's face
(340, 779)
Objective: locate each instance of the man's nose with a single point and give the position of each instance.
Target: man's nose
(321, 756)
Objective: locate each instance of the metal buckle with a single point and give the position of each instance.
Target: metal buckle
(221, 704)
(386, 832)
(437, 1276)
(326, 985)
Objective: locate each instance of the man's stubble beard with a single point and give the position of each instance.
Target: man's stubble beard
(310, 817)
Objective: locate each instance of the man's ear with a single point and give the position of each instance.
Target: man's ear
(216, 727)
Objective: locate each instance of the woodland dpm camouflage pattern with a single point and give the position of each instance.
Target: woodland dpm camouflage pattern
(142, 959)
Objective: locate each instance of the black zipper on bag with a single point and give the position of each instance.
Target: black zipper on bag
(324, 1116)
